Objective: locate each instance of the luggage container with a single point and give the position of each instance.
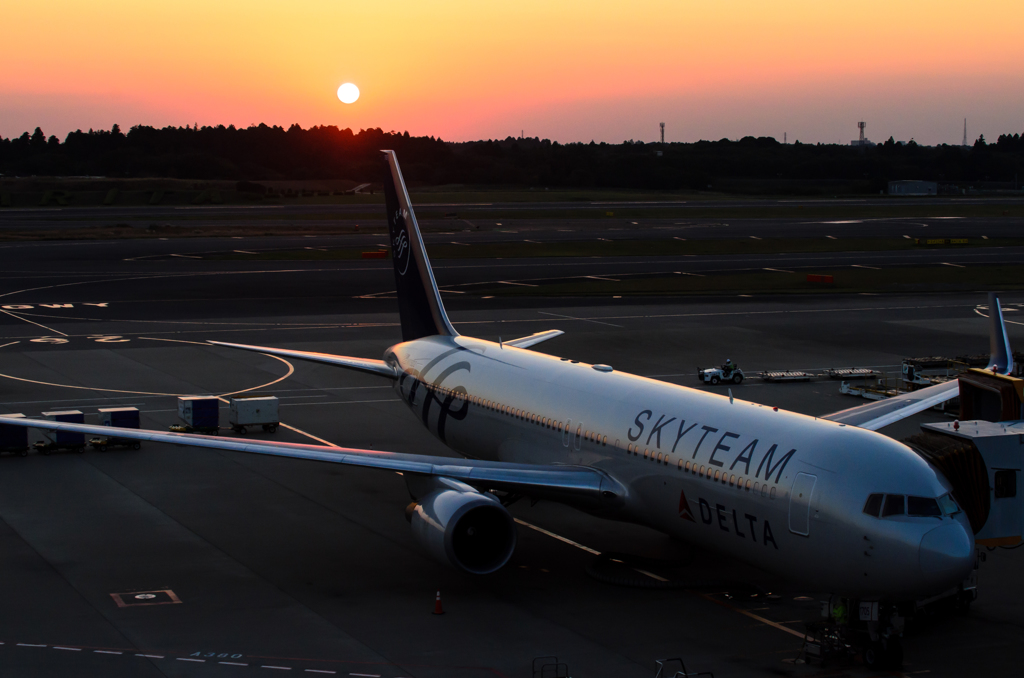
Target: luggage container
(62, 440)
(200, 413)
(118, 417)
(247, 411)
(14, 439)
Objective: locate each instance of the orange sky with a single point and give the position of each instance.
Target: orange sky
(569, 71)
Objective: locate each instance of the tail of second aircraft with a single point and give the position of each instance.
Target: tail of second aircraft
(419, 302)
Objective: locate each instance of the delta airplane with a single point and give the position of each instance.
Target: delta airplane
(788, 493)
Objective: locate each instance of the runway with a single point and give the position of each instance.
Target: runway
(281, 565)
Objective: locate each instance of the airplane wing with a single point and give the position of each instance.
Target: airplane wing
(579, 486)
(534, 339)
(874, 416)
(378, 367)
(881, 413)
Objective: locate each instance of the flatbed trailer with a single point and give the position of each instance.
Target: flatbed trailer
(785, 375)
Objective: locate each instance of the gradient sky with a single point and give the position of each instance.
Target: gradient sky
(564, 70)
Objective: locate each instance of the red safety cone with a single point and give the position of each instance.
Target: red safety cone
(437, 604)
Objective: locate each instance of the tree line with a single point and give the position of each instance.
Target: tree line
(263, 152)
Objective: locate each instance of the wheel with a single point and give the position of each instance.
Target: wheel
(272, 428)
(737, 378)
(715, 380)
(101, 448)
(240, 430)
(23, 453)
(136, 445)
(874, 655)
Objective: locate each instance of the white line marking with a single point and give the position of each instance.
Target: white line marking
(243, 251)
(366, 675)
(308, 435)
(184, 256)
(598, 277)
(279, 668)
(186, 659)
(873, 268)
(151, 656)
(232, 663)
(777, 270)
(560, 538)
(507, 282)
(319, 671)
(831, 237)
(29, 645)
(18, 317)
(946, 263)
(588, 320)
(72, 649)
(754, 237)
(107, 652)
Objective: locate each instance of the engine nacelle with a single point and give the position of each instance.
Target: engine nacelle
(467, 529)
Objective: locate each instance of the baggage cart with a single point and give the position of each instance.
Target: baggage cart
(119, 417)
(245, 411)
(14, 439)
(201, 414)
(58, 441)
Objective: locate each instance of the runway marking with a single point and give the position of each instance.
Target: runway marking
(748, 613)
(946, 263)
(508, 282)
(598, 277)
(280, 668)
(179, 341)
(320, 671)
(189, 659)
(233, 663)
(243, 252)
(698, 275)
(151, 656)
(73, 649)
(107, 652)
(560, 538)
(777, 270)
(588, 320)
(29, 645)
(17, 317)
(184, 256)
(308, 435)
(873, 268)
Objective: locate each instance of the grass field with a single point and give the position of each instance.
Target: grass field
(626, 248)
(846, 281)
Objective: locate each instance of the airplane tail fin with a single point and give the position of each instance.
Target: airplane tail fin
(1001, 360)
(419, 302)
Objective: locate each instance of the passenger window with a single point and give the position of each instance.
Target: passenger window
(687, 465)
(894, 505)
(732, 480)
(702, 471)
(604, 441)
(717, 473)
(873, 505)
(923, 506)
(748, 484)
(1006, 484)
(680, 464)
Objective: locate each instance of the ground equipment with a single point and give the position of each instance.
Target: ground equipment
(716, 375)
(245, 411)
(120, 417)
(201, 414)
(57, 441)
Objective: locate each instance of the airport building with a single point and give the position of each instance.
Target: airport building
(913, 187)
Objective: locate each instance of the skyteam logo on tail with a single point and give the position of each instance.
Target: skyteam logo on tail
(400, 248)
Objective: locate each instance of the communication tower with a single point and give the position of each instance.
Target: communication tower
(662, 133)
(862, 141)
(965, 132)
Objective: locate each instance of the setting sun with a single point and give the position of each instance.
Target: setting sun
(348, 93)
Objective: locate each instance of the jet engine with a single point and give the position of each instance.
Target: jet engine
(460, 526)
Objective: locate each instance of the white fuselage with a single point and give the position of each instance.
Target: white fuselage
(779, 490)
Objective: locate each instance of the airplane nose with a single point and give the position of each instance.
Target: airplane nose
(947, 551)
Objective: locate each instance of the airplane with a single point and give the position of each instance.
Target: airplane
(792, 494)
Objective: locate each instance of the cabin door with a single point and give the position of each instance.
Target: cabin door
(800, 504)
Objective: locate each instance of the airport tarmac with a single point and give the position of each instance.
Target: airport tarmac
(284, 565)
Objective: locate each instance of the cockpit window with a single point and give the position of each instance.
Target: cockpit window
(893, 505)
(873, 505)
(923, 506)
(948, 505)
